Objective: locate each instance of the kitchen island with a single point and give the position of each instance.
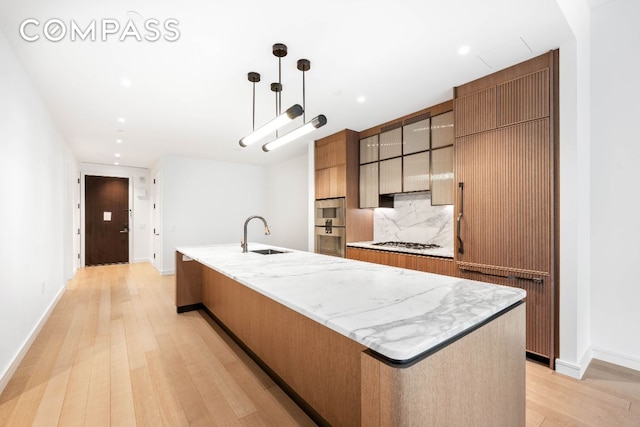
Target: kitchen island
(356, 343)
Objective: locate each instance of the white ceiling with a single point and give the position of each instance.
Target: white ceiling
(191, 97)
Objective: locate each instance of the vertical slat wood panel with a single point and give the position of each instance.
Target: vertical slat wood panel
(522, 99)
(444, 266)
(506, 220)
(539, 309)
(509, 223)
(467, 119)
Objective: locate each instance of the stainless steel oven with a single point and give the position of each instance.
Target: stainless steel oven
(330, 233)
(332, 210)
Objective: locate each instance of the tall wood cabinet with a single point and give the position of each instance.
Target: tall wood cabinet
(506, 181)
(336, 175)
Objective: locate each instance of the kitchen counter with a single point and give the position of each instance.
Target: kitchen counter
(395, 312)
(356, 343)
(437, 252)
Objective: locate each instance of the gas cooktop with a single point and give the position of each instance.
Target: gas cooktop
(408, 245)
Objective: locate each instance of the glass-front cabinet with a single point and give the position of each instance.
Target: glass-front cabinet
(409, 156)
(442, 179)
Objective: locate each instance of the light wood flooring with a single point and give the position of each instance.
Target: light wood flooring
(114, 352)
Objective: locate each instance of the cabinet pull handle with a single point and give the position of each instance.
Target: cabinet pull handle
(460, 242)
(537, 280)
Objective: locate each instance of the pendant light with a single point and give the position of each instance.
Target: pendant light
(313, 124)
(281, 119)
(304, 65)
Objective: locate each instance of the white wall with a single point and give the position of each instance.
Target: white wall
(288, 202)
(207, 201)
(575, 228)
(599, 295)
(615, 204)
(36, 214)
(139, 203)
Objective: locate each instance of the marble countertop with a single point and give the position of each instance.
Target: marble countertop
(437, 252)
(396, 312)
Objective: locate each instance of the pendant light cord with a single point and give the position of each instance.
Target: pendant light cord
(304, 102)
(280, 85)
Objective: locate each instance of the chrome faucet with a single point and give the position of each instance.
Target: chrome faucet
(266, 230)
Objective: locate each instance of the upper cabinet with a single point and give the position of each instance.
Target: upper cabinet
(415, 172)
(414, 153)
(331, 166)
(416, 143)
(391, 143)
(416, 135)
(369, 149)
(442, 178)
(369, 176)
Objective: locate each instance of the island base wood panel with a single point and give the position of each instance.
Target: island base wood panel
(321, 366)
(340, 382)
(189, 276)
(477, 380)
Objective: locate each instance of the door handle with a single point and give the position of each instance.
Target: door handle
(124, 231)
(460, 213)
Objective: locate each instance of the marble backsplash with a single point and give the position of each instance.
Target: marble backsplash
(413, 219)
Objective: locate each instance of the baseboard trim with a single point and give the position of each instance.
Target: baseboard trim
(619, 359)
(168, 272)
(8, 374)
(569, 369)
(575, 370)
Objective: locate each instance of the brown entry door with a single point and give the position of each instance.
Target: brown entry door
(106, 220)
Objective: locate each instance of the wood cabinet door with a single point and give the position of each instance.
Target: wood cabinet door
(506, 199)
(322, 183)
(331, 182)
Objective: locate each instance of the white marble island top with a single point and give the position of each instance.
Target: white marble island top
(396, 312)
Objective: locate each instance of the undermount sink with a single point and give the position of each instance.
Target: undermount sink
(268, 251)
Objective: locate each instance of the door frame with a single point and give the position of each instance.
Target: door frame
(83, 214)
(156, 219)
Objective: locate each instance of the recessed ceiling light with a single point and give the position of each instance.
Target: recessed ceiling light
(125, 82)
(361, 99)
(463, 50)
(117, 155)
(119, 141)
(116, 163)
(120, 119)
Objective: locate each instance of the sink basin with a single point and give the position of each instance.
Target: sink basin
(268, 251)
